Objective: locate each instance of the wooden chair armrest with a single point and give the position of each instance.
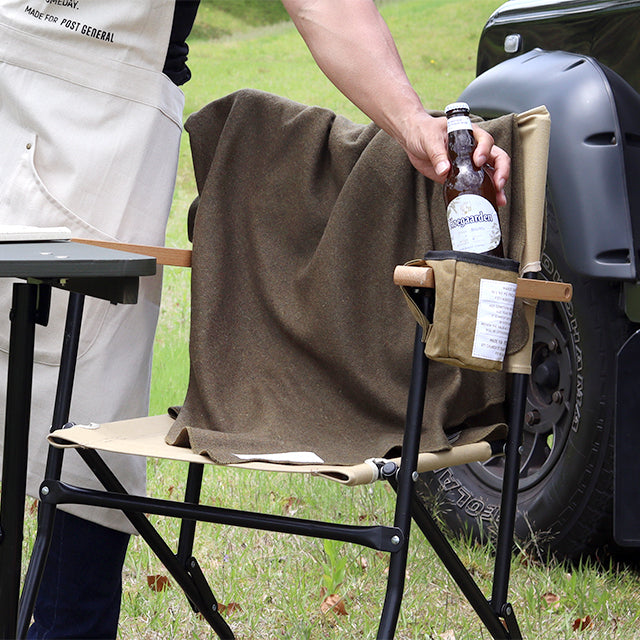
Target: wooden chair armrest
(418, 276)
(167, 256)
(408, 276)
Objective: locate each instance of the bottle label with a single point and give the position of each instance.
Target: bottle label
(455, 123)
(473, 224)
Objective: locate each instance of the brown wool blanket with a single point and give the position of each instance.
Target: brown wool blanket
(300, 341)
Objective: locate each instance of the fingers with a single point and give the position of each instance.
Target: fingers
(425, 166)
(488, 153)
(426, 146)
(501, 162)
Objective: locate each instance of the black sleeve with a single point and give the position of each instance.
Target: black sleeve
(175, 65)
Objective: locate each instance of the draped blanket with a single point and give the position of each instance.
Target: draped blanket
(300, 341)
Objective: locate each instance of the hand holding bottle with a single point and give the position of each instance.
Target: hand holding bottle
(426, 146)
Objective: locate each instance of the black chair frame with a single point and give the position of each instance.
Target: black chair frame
(495, 612)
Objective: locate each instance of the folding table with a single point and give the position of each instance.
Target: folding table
(82, 270)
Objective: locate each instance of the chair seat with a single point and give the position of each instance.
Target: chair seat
(146, 437)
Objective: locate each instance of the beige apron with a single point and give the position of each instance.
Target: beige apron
(90, 130)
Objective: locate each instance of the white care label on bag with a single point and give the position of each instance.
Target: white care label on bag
(495, 308)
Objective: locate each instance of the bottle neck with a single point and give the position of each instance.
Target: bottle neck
(460, 139)
(458, 122)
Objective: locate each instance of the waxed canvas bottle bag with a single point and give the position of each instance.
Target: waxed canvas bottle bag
(474, 300)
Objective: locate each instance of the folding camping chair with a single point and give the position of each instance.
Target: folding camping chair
(145, 436)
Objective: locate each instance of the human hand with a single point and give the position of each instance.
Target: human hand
(426, 146)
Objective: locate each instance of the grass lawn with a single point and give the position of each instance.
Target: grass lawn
(273, 586)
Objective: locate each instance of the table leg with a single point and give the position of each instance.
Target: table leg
(24, 316)
(47, 512)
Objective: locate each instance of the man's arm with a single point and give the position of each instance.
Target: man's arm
(351, 43)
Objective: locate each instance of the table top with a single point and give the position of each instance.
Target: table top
(62, 259)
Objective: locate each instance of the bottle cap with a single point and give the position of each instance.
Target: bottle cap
(456, 106)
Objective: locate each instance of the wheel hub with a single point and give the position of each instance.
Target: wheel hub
(548, 411)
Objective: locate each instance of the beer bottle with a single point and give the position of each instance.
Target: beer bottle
(469, 194)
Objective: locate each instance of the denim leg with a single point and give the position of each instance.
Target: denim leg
(82, 584)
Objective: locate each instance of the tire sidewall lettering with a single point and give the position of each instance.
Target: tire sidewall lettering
(553, 274)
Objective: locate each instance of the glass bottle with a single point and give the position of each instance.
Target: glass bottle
(469, 193)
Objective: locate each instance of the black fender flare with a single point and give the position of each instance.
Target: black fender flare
(591, 150)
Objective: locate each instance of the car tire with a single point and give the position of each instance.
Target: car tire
(566, 480)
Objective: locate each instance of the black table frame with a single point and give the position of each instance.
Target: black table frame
(83, 270)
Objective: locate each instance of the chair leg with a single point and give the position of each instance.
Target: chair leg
(491, 612)
(508, 507)
(188, 527)
(188, 532)
(496, 614)
(458, 571)
(404, 484)
(189, 578)
(35, 570)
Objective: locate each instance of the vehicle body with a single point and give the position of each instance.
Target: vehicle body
(581, 60)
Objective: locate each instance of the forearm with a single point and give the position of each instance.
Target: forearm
(353, 46)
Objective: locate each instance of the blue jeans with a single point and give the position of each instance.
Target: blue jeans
(81, 588)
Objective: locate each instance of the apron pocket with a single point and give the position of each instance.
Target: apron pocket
(25, 199)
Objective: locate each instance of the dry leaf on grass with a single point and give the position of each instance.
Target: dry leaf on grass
(551, 599)
(158, 582)
(290, 505)
(448, 635)
(334, 603)
(583, 624)
(229, 608)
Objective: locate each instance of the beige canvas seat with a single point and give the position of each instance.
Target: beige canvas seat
(148, 437)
